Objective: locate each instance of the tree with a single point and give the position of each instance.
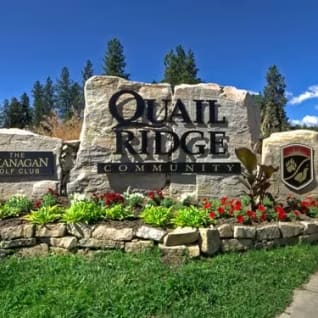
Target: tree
(64, 94)
(114, 59)
(5, 114)
(39, 106)
(273, 115)
(180, 67)
(87, 72)
(26, 113)
(77, 100)
(15, 113)
(48, 97)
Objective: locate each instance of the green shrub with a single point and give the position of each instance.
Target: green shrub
(49, 199)
(191, 216)
(44, 215)
(157, 215)
(134, 199)
(117, 212)
(167, 202)
(83, 211)
(15, 206)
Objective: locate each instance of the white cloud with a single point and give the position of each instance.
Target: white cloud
(289, 95)
(308, 120)
(253, 92)
(312, 92)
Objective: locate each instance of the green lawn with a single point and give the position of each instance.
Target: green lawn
(254, 284)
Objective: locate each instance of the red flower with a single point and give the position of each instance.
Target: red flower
(263, 217)
(297, 213)
(212, 215)
(207, 205)
(281, 213)
(305, 203)
(251, 214)
(37, 204)
(240, 219)
(261, 208)
(221, 210)
(223, 200)
(237, 205)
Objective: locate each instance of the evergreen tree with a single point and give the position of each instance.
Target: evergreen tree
(114, 59)
(15, 113)
(26, 112)
(180, 67)
(5, 120)
(48, 97)
(87, 72)
(39, 106)
(77, 99)
(64, 94)
(273, 115)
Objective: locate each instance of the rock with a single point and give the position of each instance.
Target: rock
(241, 126)
(310, 227)
(18, 142)
(244, 232)
(181, 236)
(236, 245)
(103, 232)
(102, 244)
(18, 243)
(80, 230)
(271, 155)
(51, 230)
(150, 233)
(226, 231)
(193, 251)
(34, 251)
(312, 238)
(5, 252)
(209, 241)
(41, 187)
(17, 231)
(137, 246)
(98, 141)
(66, 242)
(290, 229)
(267, 232)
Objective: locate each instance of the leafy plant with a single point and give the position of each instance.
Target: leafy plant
(255, 176)
(44, 215)
(191, 216)
(134, 199)
(167, 202)
(157, 215)
(83, 211)
(15, 206)
(118, 212)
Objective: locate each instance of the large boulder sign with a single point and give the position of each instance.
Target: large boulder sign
(143, 136)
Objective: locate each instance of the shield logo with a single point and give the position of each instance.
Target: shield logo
(297, 165)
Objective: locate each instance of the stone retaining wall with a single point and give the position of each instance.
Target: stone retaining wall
(29, 240)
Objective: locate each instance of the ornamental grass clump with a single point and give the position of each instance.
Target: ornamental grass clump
(15, 206)
(44, 215)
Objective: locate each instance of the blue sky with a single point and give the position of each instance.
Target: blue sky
(234, 42)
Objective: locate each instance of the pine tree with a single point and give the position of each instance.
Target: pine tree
(87, 72)
(5, 114)
(15, 113)
(26, 112)
(180, 67)
(273, 115)
(39, 107)
(77, 100)
(64, 94)
(114, 59)
(48, 97)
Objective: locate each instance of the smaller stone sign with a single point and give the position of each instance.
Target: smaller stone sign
(26, 166)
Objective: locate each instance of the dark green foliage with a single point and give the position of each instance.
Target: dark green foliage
(68, 95)
(273, 115)
(38, 103)
(18, 113)
(254, 284)
(5, 114)
(48, 96)
(180, 67)
(114, 60)
(87, 72)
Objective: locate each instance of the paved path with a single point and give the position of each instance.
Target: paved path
(305, 301)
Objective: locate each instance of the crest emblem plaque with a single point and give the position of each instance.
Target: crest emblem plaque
(297, 166)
